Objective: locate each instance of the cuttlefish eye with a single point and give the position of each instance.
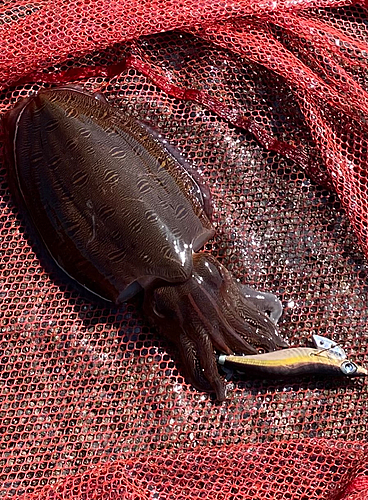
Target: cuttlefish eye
(348, 368)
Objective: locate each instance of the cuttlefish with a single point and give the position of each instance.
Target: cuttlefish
(121, 213)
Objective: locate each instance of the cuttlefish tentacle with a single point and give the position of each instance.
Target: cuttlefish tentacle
(201, 364)
(209, 312)
(264, 301)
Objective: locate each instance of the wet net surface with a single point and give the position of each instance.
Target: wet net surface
(93, 404)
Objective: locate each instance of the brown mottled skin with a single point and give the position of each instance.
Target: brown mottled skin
(119, 213)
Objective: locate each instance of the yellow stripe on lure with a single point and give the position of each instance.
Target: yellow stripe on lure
(293, 362)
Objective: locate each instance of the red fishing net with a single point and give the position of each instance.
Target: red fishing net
(269, 101)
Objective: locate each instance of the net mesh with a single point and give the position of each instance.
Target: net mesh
(269, 101)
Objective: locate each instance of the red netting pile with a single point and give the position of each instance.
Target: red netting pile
(269, 101)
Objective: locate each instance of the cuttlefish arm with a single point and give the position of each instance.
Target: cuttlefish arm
(292, 362)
